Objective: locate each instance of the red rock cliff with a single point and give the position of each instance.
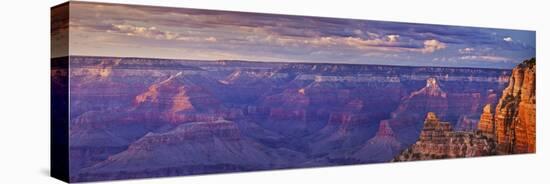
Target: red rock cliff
(486, 121)
(515, 113)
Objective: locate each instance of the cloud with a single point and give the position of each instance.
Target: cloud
(372, 35)
(392, 38)
(156, 33)
(145, 32)
(485, 58)
(432, 46)
(466, 50)
(286, 38)
(507, 39)
(475, 58)
(480, 54)
(390, 44)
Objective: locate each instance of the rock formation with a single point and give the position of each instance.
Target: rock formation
(381, 147)
(438, 140)
(508, 129)
(311, 114)
(405, 119)
(486, 121)
(432, 89)
(515, 113)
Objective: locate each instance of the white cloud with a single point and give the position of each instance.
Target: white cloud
(390, 44)
(466, 50)
(354, 42)
(146, 32)
(507, 39)
(372, 35)
(432, 46)
(155, 33)
(485, 58)
(392, 38)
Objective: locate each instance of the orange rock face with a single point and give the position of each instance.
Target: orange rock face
(515, 113)
(438, 140)
(486, 122)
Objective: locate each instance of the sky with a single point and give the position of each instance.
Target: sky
(177, 33)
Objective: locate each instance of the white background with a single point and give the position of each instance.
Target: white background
(24, 90)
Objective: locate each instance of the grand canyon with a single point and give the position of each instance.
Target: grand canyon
(142, 117)
(146, 91)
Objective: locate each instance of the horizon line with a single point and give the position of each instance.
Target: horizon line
(289, 62)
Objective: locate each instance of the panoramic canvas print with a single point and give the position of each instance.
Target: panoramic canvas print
(143, 91)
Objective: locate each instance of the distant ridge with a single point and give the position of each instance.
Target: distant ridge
(290, 62)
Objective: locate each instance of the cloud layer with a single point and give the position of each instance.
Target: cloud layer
(143, 31)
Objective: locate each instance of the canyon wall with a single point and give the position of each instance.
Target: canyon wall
(508, 128)
(129, 113)
(515, 114)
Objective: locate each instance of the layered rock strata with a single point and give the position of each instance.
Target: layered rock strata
(438, 140)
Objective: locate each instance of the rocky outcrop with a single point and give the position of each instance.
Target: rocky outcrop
(508, 129)
(486, 121)
(406, 118)
(515, 113)
(449, 101)
(434, 130)
(381, 147)
(438, 140)
(432, 89)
